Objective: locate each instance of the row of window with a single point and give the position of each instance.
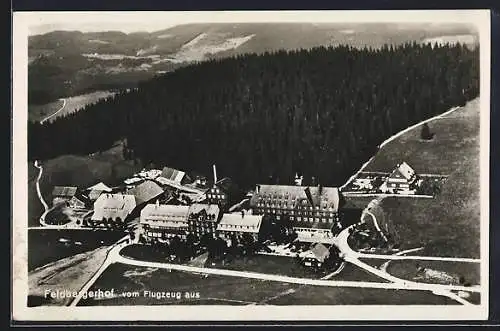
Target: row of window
(200, 223)
(163, 228)
(312, 232)
(293, 207)
(275, 198)
(311, 219)
(231, 234)
(216, 196)
(202, 217)
(234, 226)
(164, 234)
(204, 226)
(176, 219)
(295, 212)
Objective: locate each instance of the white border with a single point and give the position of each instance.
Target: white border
(21, 23)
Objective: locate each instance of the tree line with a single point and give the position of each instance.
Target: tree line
(262, 118)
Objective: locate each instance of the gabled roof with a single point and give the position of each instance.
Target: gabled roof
(100, 187)
(404, 170)
(172, 174)
(82, 197)
(164, 212)
(94, 194)
(240, 223)
(113, 206)
(293, 196)
(145, 192)
(211, 209)
(64, 191)
(320, 252)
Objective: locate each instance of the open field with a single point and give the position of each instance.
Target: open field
(37, 113)
(408, 270)
(455, 140)
(316, 295)
(76, 170)
(69, 274)
(447, 225)
(77, 102)
(239, 291)
(212, 288)
(71, 104)
(44, 245)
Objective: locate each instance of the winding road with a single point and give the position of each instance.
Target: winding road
(395, 283)
(38, 191)
(57, 111)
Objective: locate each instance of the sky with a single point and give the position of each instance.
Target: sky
(43, 22)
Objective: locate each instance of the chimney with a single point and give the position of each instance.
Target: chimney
(215, 174)
(309, 196)
(242, 214)
(257, 189)
(157, 203)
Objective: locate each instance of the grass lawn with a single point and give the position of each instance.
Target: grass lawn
(408, 269)
(319, 295)
(220, 290)
(268, 264)
(357, 201)
(474, 298)
(447, 225)
(213, 289)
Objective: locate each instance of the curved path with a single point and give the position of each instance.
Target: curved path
(40, 196)
(353, 257)
(110, 259)
(386, 264)
(50, 116)
(366, 212)
(38, 191)
(388, 140)
(114, 256)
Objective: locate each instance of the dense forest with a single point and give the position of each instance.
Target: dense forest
(261, 118)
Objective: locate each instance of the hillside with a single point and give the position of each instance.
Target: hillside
(67, 63)
(449, 224)
(76, 170)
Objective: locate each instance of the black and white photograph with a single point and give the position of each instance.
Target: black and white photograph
(259, 165)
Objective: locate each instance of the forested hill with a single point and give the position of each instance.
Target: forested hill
(261, 118)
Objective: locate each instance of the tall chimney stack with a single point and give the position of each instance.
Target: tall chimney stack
(215, 174)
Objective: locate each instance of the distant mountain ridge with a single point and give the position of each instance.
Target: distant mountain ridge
(64, 63)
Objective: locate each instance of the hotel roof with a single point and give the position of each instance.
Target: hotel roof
(240, 223)
(113, 206)
(145, 192)
(289, 196)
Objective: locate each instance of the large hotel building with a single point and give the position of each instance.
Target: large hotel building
(312, 211)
